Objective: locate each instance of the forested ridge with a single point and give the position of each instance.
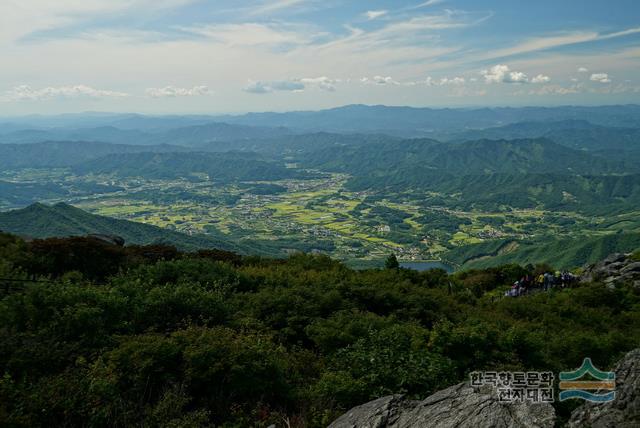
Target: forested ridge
(150, 336)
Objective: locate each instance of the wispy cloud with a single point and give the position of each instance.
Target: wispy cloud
(258, 87)
(557, 90)
(26, 17)
(375, 14)
(400, 41)
(426, 4)
(277, 6)
(27, 93)
(173, 92)
(555, 41)
(257, 34)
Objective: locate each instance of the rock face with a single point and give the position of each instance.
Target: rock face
(464, 406)
(624, 411)
(615, 269)
(457, 406)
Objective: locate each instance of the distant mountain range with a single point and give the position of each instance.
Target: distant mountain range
(186, 136)
(54, 154)
(577, 134)
(44, 221)
(408, 121)
(397, 121)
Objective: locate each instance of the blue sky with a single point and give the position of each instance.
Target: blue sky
(221, 56)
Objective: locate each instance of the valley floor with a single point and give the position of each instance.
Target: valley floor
(321, 215)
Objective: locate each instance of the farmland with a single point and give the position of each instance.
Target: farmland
(316, 215)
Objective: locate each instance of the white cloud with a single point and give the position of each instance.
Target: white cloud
(293, 85)
(456, 81)
(375, 14)
(502, 74)
(541, 78)
(379, 80)
(600, 77)
(173, 92)
(516, 77)
(257, 87)
(583, 70)
(323, 82)
(27, 93)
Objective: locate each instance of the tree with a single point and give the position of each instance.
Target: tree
(392, 262)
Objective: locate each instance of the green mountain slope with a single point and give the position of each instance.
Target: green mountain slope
(222, 167)
(21, 194)
(43, 221)
(589, 193)
(566, 253)
(471, 157)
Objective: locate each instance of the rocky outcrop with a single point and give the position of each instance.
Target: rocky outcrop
(624, 411)
(616, 269)
(458, 406)
(464, 406)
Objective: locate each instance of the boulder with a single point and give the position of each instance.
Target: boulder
(458, 406)
(624, 411)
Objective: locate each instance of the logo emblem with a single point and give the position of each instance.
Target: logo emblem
(603, 387)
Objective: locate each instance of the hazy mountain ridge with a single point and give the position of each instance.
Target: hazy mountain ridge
(421, 121)
(182, 135)
(53, 154)
(400, 121)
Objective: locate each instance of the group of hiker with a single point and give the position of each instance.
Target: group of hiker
(543, 282)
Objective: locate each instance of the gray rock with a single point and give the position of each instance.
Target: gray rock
(632, 267)
(613, 258)
(380, 413)
(614, 270)
(624, 411)
(457, 406)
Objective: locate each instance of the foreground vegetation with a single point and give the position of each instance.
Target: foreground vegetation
(132, 336)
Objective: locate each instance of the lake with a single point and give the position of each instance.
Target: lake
(422, 266)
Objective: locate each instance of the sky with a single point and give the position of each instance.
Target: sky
(234, 56)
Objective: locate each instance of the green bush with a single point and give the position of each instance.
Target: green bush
(214, 340)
